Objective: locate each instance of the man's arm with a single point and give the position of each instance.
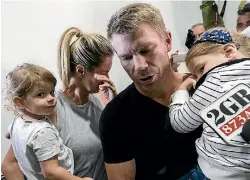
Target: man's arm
(208, 14)
(10, 168)
(116, 142)
(121, 171)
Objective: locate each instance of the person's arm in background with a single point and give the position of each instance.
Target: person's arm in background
(174, 65)
(242, 4)
(208, 8)
(10, 168)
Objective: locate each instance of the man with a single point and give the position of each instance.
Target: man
(138, 140)
(193, 34)
(243, 20)
(198, 29)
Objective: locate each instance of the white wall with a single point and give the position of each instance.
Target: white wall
(31, 30)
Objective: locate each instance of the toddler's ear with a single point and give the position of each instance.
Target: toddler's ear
(230, 51)
(19, 102)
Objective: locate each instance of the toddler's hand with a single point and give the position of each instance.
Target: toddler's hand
(188, 83)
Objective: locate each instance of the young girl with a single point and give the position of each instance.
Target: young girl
(39, 150)
(219, 60)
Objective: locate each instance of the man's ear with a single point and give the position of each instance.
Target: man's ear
(19, 102)
(168, 40)
(80, 71)
(230, 51)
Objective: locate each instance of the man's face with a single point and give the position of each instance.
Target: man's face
(144, 56)
(243, 21)
(198, 30)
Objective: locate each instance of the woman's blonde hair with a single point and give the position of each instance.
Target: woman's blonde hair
(22, 79)
(77, 48)
(241, 41)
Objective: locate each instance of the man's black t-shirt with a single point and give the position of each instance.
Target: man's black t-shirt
(133, 126)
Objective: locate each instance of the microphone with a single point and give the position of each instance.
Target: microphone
(245, 134)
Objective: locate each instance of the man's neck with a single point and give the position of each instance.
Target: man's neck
(169, 85)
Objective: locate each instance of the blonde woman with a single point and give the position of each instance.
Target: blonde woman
(84, 61)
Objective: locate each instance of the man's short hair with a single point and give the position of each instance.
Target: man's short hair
(246, 9)
(129, 17)
(197, 24)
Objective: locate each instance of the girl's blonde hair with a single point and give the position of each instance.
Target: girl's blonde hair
(77, 48)
(22, 79)
(241, 41)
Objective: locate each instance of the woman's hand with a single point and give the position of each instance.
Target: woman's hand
(107, 88)
(10, 168)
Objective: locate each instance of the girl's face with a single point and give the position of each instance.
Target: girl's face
(199, 65)
(39, 101)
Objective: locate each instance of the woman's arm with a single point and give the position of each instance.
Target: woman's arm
(52, 171)
(10, 168)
